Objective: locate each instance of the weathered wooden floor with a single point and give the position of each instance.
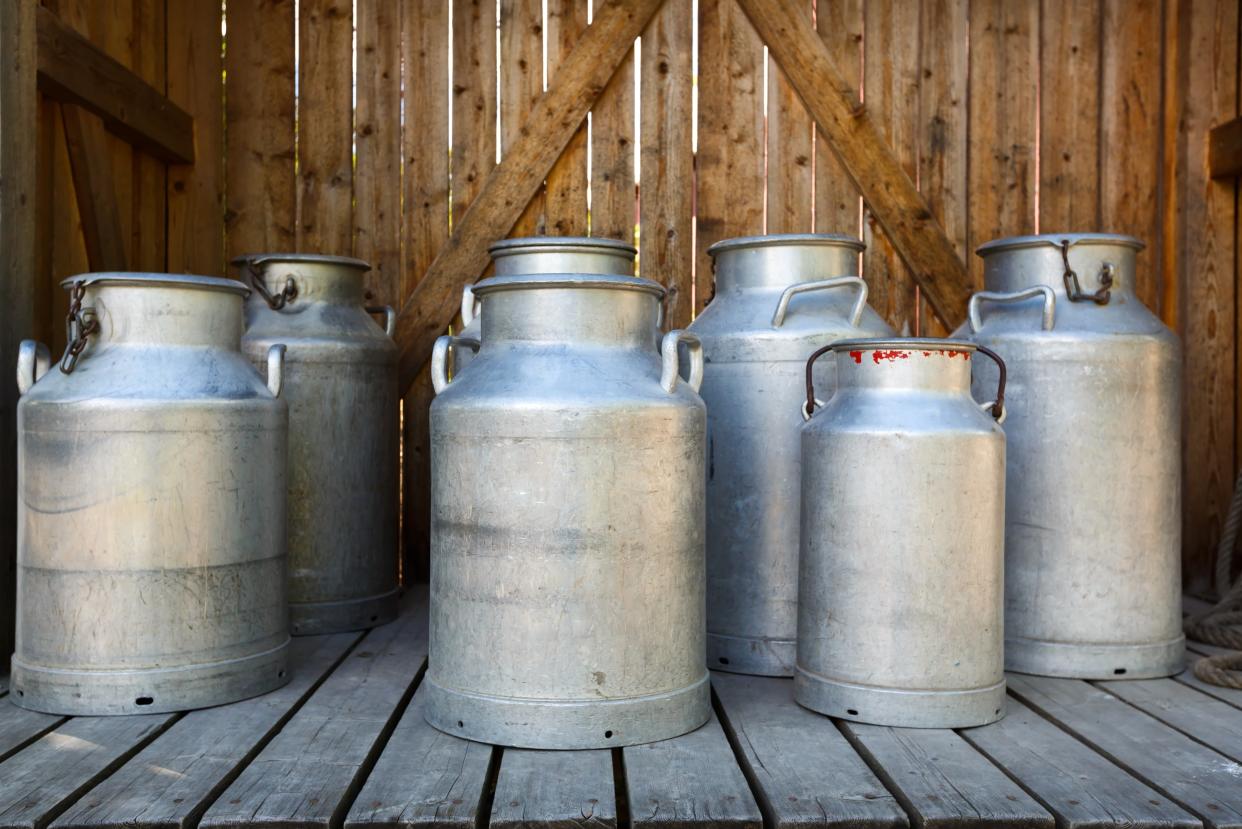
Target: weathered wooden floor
(345, 745)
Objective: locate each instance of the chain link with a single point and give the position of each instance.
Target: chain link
(287, 294)
(79, 326)
(1074, 290)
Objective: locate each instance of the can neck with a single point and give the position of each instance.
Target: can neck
(779, 266)
(1095, 265)
(905, 369)
(306, 282)
(164, 315)
(563, 259)
(606, 317)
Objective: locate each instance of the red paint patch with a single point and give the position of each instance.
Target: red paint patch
(878, 355)
(857, 355)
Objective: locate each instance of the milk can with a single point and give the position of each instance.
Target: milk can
(151, 504)
(542, 254)
(903, 515)
(1093, 535)
(567, 521)
(341, 384)
(778, 298)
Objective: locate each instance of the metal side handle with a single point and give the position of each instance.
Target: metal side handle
(1000, 297)
(390, 317)
(670, 371)
(782, 307)
(470, 305)
(441, 353)
(276, 369)
(33, 361)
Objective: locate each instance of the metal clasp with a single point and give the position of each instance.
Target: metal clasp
(1074, 291)
(80, 324)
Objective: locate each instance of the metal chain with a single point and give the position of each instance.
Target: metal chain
(1074, 290)
(79, 325)
(275, 302)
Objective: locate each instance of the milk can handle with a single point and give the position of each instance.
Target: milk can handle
(390, 317)
(33, 361)
(778, 318)
(288, 293)
(470, 306)
(276, 369)
(671, 369)
(996, 406)
(1050, 304)
(808, 408)
(440, 358)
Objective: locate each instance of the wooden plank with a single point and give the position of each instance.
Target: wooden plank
(1130, 133)
(196, 193)
(1210, 721)
(474, 107)
(94, 185)
(1004, 74)
(1079, 787)
(730, 156)
(1069, 116)
(790, 137)
(565, 199)
(74, 70)
(308, 774)
(1156, 754)
(856, 139)
(838, 205)
(18, 726)
(666, 243)
(554, 789)
(514, 182)
(614, 210)
(325, 126)
(262, 188)
(63, 764)
(689, 781)
(944, 75)
(941, 780)
(46, 320)
(802, 770)
(148, 239)
(377, 148)
(425, 778)
(1225, 149)
(171, 781)
(521, 85)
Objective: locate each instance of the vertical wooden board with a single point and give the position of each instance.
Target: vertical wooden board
(613, 208)
(45, 321)
(790, 137)
(1069, 116)
(666, 252)
(521, 85)
(1004, 74)
(837, 203)
(196, 192)
(325, 127)
(474, 100)
(91, 162)
(729, 168)
(554, 790)
(262, 192)
(148, 246)
(1206, 267)
(944, 67)
(377, 146)
(891, 92)
(1130, 133)
(68, 253)
(565, 199)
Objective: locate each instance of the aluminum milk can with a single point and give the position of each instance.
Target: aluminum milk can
(542, 254)
(903, 515)
(151, 504)
(1093, 535)
(341, 385)
(567, 521)
(778, 298)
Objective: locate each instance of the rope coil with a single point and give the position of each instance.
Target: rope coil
(1221, 624)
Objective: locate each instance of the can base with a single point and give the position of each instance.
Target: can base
(754, 656)
(315, 618)
(528, 723)
(157, 691)
(1095, 661)
(903, 709)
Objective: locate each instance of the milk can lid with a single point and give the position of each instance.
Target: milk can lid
(260, 259)
(158, 280)
(511, 282)
(567, 244)
(905, 344)
(777, 239)
(1055, 240)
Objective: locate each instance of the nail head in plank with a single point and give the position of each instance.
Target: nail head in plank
(1081, 788)
(804, 772)
(425, 778)
(18, 726)
(689, 781)
(554, 790)
(311, 769)
(168, 783)
(942, 781)
(1206, 719)
(1206, 783)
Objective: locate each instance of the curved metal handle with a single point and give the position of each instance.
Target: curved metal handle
(250, 266)
(470, 306)
(1050, 304)
(808, 408)
(778, 318)
(670, 371)
(33, 361)
(995, 406)
(440, 353)
(276, 369)
(390, 317)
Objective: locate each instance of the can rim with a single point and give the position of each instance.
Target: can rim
(1055, 240)
(779, 239)
(905, 344)
(168, 280)
(557, 244)
(260, 259)
(568, 280)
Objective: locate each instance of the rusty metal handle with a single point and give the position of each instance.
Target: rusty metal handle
(670, 370)
(276, 369)
(470, 305)
(441, 354)
(808, 408)
(860, 304)
(996, 406)
(288, 293)
(1048, 320)
(33, 361)
(390, 317)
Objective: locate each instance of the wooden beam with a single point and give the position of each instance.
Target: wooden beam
(1225, 149)
(76, 71)
(859, 144)
(514, 182)
(95, 189)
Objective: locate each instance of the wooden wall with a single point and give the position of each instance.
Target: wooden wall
(1012, 116)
